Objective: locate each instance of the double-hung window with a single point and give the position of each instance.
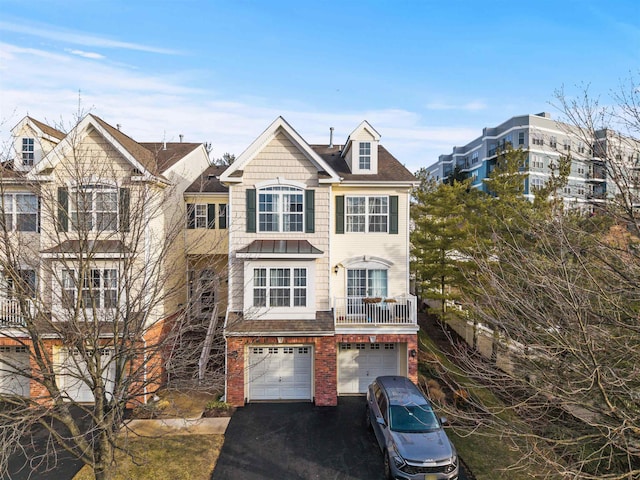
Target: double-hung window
(200, 216)
(94, 208)
(28, 151)
(280, 209)
(99, 288)
(23, 285)
(203, 215)
(20, 212)
(367, 214)
(280, 287)
(364, 157)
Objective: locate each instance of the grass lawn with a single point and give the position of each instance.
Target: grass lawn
(487, 454)
(187, 457)
(168, 457)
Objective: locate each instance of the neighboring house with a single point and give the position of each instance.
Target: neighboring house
(318, 278)
(302, 249)
(69, 203)
(599, 165)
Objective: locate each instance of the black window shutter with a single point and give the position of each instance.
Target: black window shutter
(125, 208)
(39, 214)
(393, 214)
(222, 216)
(310, 211)
(191, 216)
(340, 214)
(211, 215)
(63, 209)
(251, 210)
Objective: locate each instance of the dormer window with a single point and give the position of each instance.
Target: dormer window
(28, 151)
(364, 157)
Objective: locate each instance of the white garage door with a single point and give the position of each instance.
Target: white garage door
(280, 373)
(360, 363)
(11, 382)
(73, 374)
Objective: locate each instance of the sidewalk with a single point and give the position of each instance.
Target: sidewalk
(178, 426)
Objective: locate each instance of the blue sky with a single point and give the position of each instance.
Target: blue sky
(427, 75)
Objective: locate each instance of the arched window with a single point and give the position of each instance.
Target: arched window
(280, 209)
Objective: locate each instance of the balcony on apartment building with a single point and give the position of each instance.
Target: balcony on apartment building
(375, 311)
(596, 175)
(11, 312)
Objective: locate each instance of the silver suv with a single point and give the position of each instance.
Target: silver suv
(409, 433)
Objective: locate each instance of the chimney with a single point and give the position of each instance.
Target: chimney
(181, 137)
(330, 137)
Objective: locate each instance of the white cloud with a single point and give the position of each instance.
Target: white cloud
(81, 53)
(153, 107)
(78, 38)
(472, 106)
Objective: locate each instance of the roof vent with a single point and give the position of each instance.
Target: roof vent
(118, 126)
(181, 137)
(330, 137)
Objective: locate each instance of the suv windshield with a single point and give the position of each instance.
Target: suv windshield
(412, 419)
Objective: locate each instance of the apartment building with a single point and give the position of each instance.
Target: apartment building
(600, 161)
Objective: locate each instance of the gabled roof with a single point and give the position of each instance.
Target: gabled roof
(47, 129)
(44, 129)
(364, 125)
(278, 125)
(167, 154)
(209, 181)
(389, 167)
(149, 158)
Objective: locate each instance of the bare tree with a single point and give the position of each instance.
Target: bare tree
(94, 275)
(559, 291)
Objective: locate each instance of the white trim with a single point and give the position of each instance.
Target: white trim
(364, 125)
(93, 255)
(365, 261)
(281, 181)
(59, 152)
(376, 183)
(284, 256)
(278, 125)
(307, 312)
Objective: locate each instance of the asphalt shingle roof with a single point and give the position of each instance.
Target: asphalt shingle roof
(209, 181)
(389, 168)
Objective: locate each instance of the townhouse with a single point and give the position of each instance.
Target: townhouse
(301, 251)
(87, 220)
(318, 272)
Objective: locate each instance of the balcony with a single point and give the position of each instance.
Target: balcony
(10, 313)
(596, 176)
(375, 312)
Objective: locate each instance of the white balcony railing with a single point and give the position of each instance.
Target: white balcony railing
(401, 310)
(10, 313)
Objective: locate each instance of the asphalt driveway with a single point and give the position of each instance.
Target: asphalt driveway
(299, 441)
